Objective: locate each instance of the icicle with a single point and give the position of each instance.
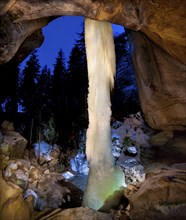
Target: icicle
(104, 178)
(101, 71)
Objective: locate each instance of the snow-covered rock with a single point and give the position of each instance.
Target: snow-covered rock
(131, 151)
(80, 164)
(42, 149)
(67, 175)
(133, 174)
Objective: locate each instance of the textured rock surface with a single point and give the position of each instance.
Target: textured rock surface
(161, 82)
(76, 213)
(162, 194)
(13, 145)
(158, 46)
(160, 139)
(167, 186)
(12, 204)
(161, 21)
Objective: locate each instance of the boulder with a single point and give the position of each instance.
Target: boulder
(12, 204)
(80, 213)
(160, 139)
(15, 208)
(13, 145)
(7, 190)
(7, 126)
(161, 196)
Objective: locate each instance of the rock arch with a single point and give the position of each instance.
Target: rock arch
(157, 39)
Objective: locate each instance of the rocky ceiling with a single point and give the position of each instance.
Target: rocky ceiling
(158, 39)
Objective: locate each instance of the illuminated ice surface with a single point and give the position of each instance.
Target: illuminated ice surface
(104, 178)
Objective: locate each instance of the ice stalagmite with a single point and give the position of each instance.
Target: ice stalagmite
(104, 178)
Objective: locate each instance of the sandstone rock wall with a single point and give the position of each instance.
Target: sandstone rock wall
(161, 81)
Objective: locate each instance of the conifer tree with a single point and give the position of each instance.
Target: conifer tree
(125, 95)
(44, 93)
(77, 69)
(28, 97)
(58, 90)
(29, 86)
(11, 69)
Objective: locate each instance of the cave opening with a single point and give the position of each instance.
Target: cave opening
(56, 139)
(125, 99)
(47, 170)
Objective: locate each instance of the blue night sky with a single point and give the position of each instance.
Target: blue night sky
(61, 34)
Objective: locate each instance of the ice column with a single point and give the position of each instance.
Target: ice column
(104, 178)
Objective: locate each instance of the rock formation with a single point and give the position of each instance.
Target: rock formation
(158, 41)
(32, 191)
(158, 45)
(165, 185)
